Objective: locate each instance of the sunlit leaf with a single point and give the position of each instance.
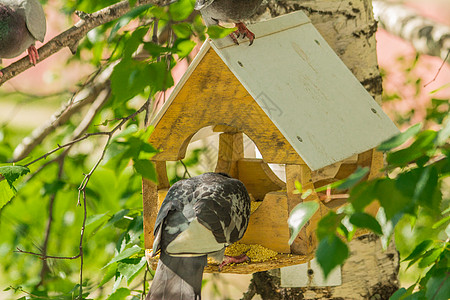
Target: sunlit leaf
(182, 30)
(124, 254)
(218, 32)
(181, 9)
(6, 193)
(11, 173)
(119, 294)
(429, 257)
(299, 216)
(419, 250)
(129, 268)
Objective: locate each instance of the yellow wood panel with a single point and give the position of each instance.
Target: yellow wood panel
(258, 178)
(213, 96)
(305, 243)
(231, 149)
(268, 225)
(150, 204)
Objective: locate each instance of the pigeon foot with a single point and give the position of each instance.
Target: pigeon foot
(233, 260)
(242, 30)
(33, 54)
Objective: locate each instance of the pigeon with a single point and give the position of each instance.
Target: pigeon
(22, 22)
(198, 218)
(234, 11)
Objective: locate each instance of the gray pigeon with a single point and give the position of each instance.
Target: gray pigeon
(234, 11)
(199, 217)
(22, 22)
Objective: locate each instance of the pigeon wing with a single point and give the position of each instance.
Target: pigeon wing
(35, 19)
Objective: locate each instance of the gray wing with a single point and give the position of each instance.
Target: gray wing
(171, 216)
(35, 19)
(221, 204)
(200, 4)
(224, 208)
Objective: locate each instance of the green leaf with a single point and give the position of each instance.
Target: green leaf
(444, 133)
(421, 186)
(93, 218)
(354, 178)
(391, 199)
(157, 50)
(441, 222)
(430, 257)
(423, 143)
(181, 10)
(328, 224)
(398, 294)
(146, 169)
(330, 253)
(298, 186)
(218, 32)
(438, 286)
(419, 250)
(125, 254)
(111, 272)
(6, 193)
(185, 47)
(11, 173)
(126, 18)
(362, 195)
(118, 216)
(182, 30)
(400, 138)
(299, 216)
(363, 220)
(119, 294)
(129, 268)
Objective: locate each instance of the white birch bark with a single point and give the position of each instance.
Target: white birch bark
(426, 36)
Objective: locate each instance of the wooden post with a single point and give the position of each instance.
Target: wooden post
(150, 201)
(305, 243)
(231, 149)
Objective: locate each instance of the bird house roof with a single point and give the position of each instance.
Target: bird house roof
(289, 81)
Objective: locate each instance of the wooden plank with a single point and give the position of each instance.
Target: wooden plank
(308, 92)
(268, 225)
(211, 95)
(281, 260)
(305, 243)
(231, 149)
(150, 205)
(258, 178)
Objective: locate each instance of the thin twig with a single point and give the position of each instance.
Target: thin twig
(72, 36)
(439, 70)
(45, 257)
(185, 169)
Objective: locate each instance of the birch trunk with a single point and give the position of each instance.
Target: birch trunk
(349, 27)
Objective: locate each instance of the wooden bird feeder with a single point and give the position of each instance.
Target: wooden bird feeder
(301, 106)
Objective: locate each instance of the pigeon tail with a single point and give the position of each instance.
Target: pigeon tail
(177, 278)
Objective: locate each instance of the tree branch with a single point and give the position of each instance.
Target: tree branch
(72, 36)
(427, 36)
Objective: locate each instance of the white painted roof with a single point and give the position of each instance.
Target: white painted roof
(306, 90)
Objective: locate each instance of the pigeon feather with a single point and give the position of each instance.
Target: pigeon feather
(199, 217)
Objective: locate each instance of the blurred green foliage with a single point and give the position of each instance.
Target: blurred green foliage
(42, 202)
